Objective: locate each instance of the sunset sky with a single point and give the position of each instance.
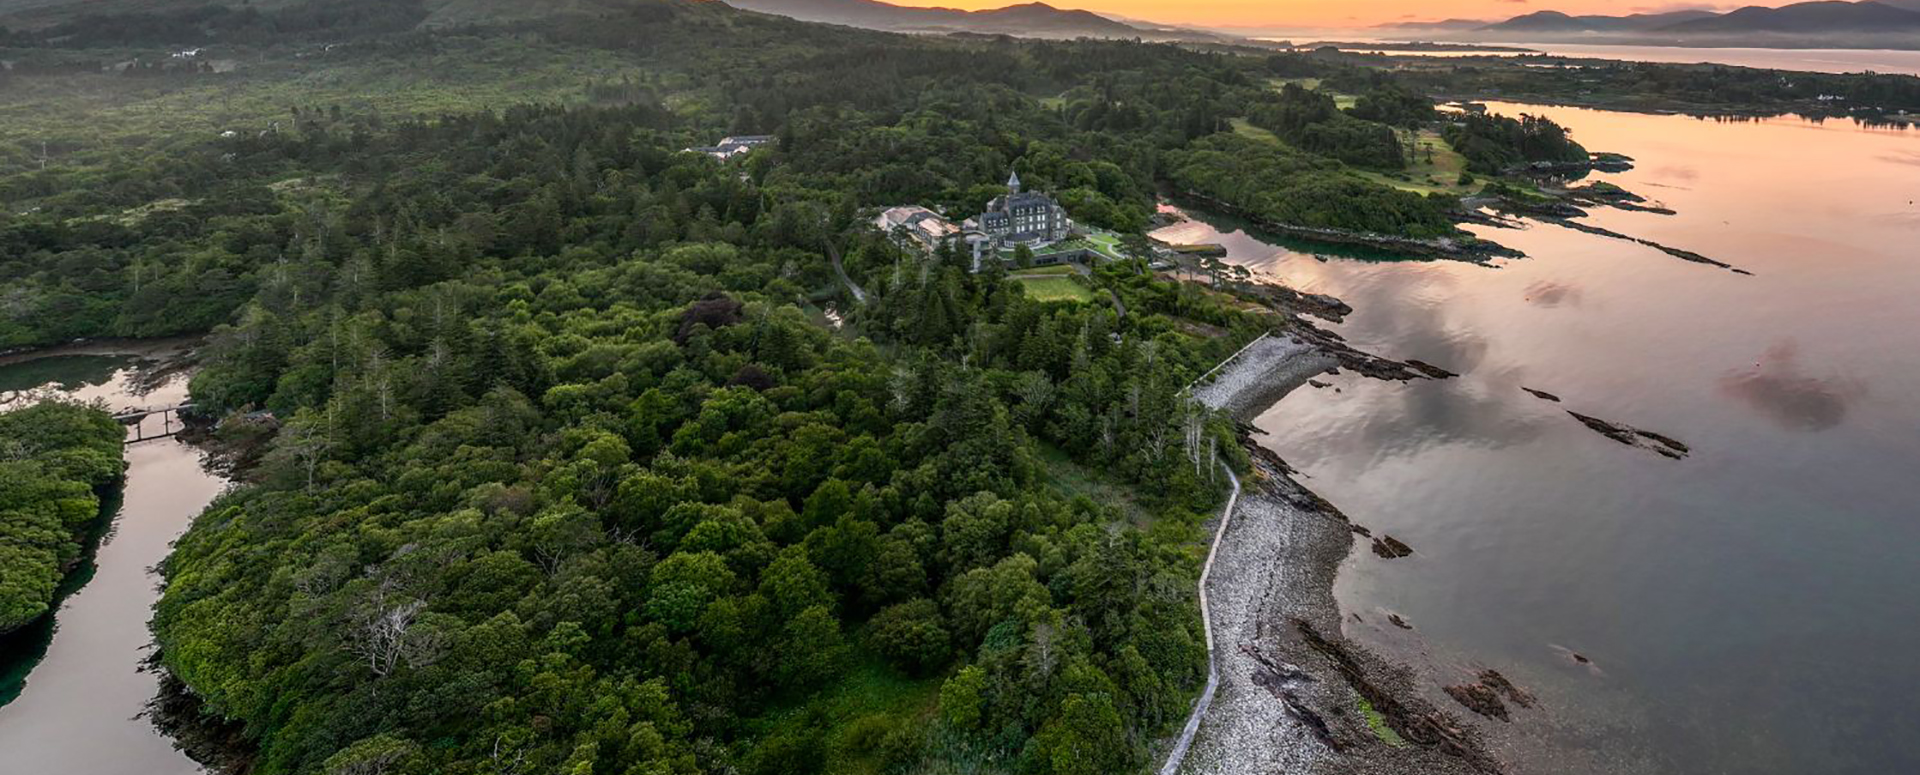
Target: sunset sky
(1334, 12)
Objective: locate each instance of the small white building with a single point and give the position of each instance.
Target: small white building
(919, 224)
(731, 146)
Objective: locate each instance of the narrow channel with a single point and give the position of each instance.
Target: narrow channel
(80, 708)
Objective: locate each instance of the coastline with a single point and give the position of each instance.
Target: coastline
(1294, 695)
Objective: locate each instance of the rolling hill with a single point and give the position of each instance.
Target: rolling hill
(1817, 17)
(1031, 19)
(1555, 21)
(1812, 18)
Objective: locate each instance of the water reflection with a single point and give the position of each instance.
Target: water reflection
(1551, 293)
(1752, 604)
(1776, 387)
(72, 685)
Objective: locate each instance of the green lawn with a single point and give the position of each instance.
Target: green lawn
(1435, 167)
(1107, 243)
(1042, 271)
(1055, 288)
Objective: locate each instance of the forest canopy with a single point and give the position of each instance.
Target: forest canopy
(56, 460)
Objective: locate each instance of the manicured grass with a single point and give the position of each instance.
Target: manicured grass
(1042, 271)
(1056, 288)
(1305, 83)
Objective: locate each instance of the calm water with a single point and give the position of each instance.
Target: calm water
(78, 711)
(1754, 608)
(1813, 60)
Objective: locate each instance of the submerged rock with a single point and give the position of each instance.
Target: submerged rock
(1479, 699)
(1391, 548)
(1485, 696)
(1634, 437)
(1492, 679)
(1542, 394)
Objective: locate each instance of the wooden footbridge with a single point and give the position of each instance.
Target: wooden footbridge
(170, 422)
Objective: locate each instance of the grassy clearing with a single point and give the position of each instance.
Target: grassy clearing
(1069, 478)
(1055, 288)
(1342, 101)
(1246, 129)
(1435, 167)
(869, 703)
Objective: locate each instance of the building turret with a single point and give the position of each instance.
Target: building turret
(1013, 182)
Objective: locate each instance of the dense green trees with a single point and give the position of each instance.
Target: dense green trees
(585, 484)
(1308, 120)
(55, 460)
(1286, 186)
(1495, 143)
(567, 471)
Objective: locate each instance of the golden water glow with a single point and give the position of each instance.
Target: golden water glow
(1334, 13)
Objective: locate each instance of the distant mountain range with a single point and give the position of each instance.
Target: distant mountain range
(1876, 18)
(1032, 19)
(1555, 21)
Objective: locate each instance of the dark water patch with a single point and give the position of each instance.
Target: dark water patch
(61, 373)
(1777, 387)
(1548, 293)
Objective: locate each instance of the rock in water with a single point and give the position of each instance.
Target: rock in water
(1390, 548)
(1479, 699)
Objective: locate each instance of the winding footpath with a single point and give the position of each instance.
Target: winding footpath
(859, 294)
(1179, 753)
(1247, 585)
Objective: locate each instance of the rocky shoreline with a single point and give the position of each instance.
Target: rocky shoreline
(1295, 695)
